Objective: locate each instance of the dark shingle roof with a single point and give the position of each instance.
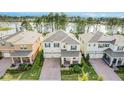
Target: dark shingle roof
(96, 37)
(65, 53)
(114, 54)
(20, 53)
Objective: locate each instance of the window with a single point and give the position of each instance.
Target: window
(103, 45)
(23, 47)
(89, 44)
(47, 45)
(73, 47)
(120, 48)
(94, 44)
(56, 44)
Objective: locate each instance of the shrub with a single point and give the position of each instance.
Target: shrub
(76, 69)
(12, 71)
(24, 67)
(100, 78)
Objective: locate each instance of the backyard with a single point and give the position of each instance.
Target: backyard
(83, 72)
(32, 72)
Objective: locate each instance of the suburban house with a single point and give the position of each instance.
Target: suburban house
(63, 45)
(21, 47)
(108, 47)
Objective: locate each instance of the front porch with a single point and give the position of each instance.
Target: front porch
(70, 57)
(21, 60)
(113, 58)
(67, 61)
(21, 57)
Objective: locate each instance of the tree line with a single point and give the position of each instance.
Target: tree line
(58, 21)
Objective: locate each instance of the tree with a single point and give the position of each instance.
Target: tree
(26, 25)
(50, 20)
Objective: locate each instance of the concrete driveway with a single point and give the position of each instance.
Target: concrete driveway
(5, 63)
(104, 70)
(51, 69)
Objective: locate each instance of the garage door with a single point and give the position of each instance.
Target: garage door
(96, 55)
(52, 55)
(6, 54)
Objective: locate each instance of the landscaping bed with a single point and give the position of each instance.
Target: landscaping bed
(83, 71)
(26, 71)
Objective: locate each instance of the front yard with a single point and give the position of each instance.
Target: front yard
(26, 72)
(120, 72)
(83, 72)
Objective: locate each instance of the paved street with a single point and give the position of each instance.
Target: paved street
(5, 63)
(104, 70)
(51, 69)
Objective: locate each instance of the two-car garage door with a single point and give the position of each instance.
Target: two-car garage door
(52, 55)
(96, 55)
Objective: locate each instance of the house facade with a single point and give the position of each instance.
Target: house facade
(108, 47)
(63, 45)
(21, 47)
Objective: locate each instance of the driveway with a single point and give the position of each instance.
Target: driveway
(104, 70)
(51, 69)
(5, 63)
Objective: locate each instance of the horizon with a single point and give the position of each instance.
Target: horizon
(81, 14)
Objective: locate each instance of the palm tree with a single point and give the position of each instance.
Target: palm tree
(50, 20)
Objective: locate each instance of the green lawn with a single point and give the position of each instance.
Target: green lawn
(69, 77)
(32, 74)
(87, 68)
(121, 75)
(5, 28)
(120, 72)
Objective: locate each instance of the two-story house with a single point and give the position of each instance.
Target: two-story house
(63, 45)
(21, 47)
(108, 47)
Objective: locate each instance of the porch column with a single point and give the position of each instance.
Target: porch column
(62, 60)
(13, 60)
(30, 60)
(21, 60)
(71, 60)
(111, 61)
(122, 63)
(116, 62)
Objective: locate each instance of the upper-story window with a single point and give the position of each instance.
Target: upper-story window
(120, 48)
(47, 45)
(103, 45)
(94, 44)
(89, 44)
(73, 47)
(23, 47)
(56, 44)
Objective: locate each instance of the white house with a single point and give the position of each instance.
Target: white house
(108, 47)
(63, 45)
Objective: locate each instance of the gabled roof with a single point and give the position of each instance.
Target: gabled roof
(96, 37)
(61, 36)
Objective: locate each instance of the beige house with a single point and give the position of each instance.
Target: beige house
(21, 47)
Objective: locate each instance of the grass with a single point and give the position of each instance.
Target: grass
(120, 72)
(32, 74)
(69, 77)
(86, 67)
(5, 28)
(121, 75)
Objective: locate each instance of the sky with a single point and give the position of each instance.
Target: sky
(82, 14)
